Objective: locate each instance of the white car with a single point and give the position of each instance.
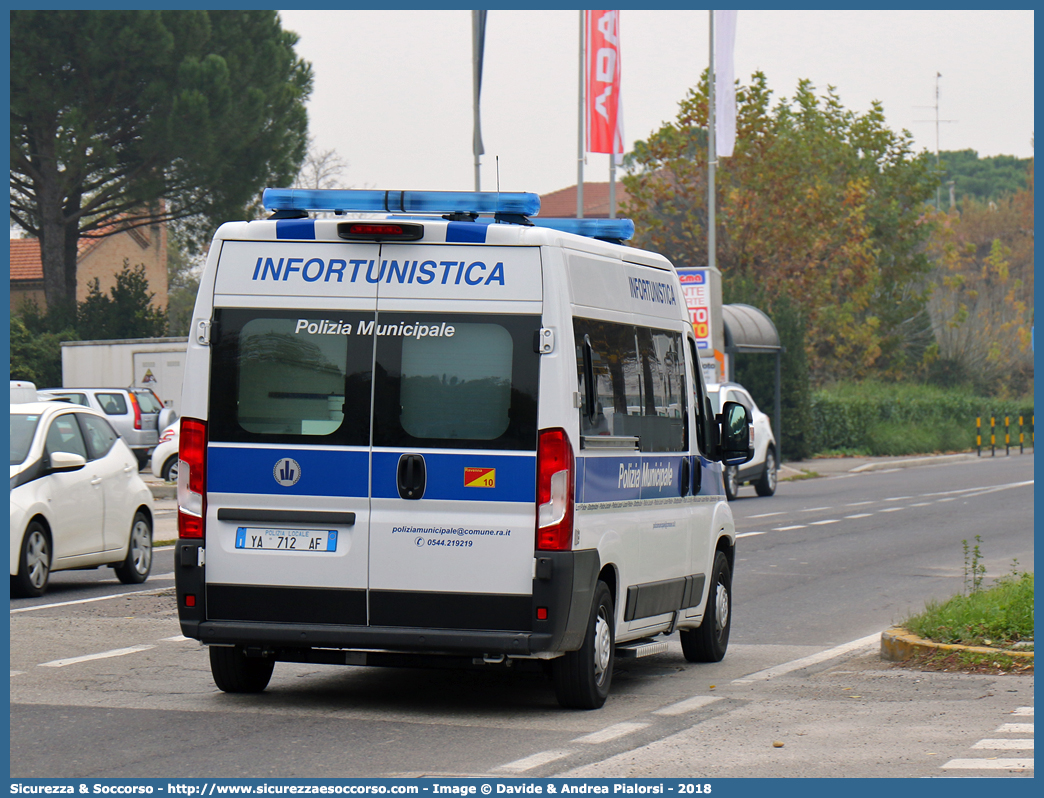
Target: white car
(761, 469)
(165, 455)
(76, 498)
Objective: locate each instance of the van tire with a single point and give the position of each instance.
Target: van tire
(235, 672)
(766, 484)
(582, 677)
(710, 640)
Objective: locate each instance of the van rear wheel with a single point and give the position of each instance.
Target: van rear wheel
(582, 677)
(709, 642)
(235, 672)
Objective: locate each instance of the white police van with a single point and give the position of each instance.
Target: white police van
(449, 438)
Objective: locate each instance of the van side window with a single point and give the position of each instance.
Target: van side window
(637, 383)
(704, 411)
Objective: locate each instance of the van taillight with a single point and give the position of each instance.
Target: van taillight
(137, 410)
(555, 477)
(192, 478)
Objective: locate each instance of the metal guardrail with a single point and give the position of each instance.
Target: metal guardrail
(1007, 435)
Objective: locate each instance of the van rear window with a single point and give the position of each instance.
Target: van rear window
(441, 380)
(456, 381)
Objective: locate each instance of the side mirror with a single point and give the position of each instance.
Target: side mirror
(737, 434)
(67, 461)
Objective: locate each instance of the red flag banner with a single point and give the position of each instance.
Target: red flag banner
(604, 125)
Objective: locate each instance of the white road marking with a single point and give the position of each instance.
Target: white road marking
(859, 515)
(764, 515)
(898, 498)
(88, 600)
(857, 504)
(788, 528)
(611, 733)
(892, 509)
(1005, 745)
(826, 521)
(1023, 711)
(749, 534)
(945, 500)
(16, 673)
(175, 639)
(688, 705)
(921, 504)
(812, 659)
(1015, 728)
(816, 509)
(116, 652)
(534, 761)
(990, 764)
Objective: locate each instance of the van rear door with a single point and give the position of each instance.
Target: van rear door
(289, 427)
(454, 436)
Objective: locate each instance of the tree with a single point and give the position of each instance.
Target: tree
(321, 169)
(36, 355)
(183, 271)
(126, 118)
(818, 204)
(982, 301)
(127, 313)
(984, 179)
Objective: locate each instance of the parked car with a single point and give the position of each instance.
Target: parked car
(136, 413)
(762, 469)
(77, 500)
(165, 455)
(22, 391)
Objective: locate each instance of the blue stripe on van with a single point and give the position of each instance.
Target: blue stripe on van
(466, 233)
(324, 472)
(515, 476)
(631, 477)
(296, 229)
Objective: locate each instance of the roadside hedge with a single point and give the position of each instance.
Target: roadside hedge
(873, 418)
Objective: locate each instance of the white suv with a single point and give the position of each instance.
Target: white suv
(761, 469)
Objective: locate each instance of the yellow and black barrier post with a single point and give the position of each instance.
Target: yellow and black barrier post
(1020, 435)
(978, 436)
(1007, 436)
(993, 436)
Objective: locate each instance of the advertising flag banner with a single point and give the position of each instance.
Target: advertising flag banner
(604, 123)
(724, 82)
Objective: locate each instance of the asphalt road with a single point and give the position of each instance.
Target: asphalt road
(822, 568)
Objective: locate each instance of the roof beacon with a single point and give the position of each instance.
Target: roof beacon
(376, 201)
(610, 229)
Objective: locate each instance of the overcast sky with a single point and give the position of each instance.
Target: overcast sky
(393, 91)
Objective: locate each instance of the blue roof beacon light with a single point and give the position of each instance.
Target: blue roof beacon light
(376, 201)
(612, 229)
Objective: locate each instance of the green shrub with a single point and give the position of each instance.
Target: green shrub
(877, 418)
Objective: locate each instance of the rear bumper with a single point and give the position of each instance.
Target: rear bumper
(287, 618)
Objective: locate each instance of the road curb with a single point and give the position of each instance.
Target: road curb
(912, 462)
(899, 644)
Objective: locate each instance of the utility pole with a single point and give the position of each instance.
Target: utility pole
(937, 120)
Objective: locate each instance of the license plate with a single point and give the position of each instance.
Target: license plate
(286, 539)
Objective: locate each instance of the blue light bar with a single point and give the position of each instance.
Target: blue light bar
(375, 201)
(619, 229)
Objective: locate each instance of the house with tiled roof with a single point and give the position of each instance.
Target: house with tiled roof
(562, 203)
(101, 258)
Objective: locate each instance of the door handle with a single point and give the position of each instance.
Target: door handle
(411, 476)
(96, 481)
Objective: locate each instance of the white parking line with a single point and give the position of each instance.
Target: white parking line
(857, 504)
(1015, 728)
(534, 761)
(88, 600)
(892, 509)
(1005, 745)
(117, 652)
(749, 534)
(688, 705)
(788, 528)
(812, 659)
(990, 764)
(816, 509)
(611, 733)
(826, 521)
(898, 498)
(920, 504)
(859, 515)
(1023, 711)
(764, 515)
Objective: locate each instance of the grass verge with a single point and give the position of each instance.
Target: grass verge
(1000, 616)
